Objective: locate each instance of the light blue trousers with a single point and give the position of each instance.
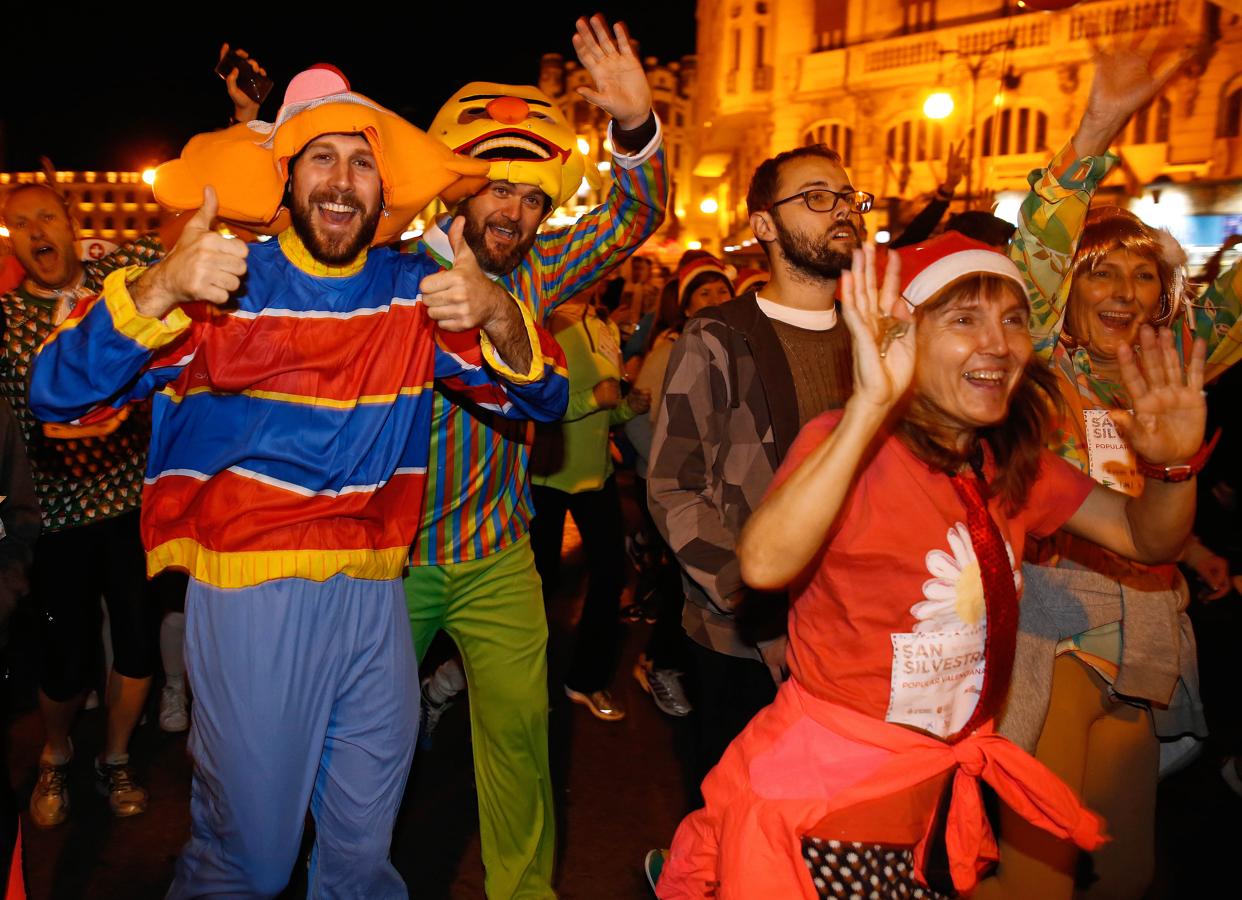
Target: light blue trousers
(305, 693)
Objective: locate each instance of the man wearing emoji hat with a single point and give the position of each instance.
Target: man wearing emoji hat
(473, 571)
(288, 460)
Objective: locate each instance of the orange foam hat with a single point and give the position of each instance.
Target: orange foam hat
(248, 164)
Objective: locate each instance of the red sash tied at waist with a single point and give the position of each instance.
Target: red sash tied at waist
(1021, 781)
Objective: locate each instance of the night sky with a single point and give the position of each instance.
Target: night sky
(94, 94)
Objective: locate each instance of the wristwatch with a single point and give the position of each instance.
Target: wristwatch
(1182, 471)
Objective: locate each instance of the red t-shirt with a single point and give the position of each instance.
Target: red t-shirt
(891, 621)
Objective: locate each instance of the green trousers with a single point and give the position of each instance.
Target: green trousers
(492, 608)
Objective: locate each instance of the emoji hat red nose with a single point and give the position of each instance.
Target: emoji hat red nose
(508, 110)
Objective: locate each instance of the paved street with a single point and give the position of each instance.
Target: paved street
(619, 790)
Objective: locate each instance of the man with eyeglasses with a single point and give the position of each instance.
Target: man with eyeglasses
(742, 380)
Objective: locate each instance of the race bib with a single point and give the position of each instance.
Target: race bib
(1111, 459)
(937, 677)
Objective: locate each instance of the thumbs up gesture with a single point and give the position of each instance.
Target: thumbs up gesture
(463, 297)
(204, 265)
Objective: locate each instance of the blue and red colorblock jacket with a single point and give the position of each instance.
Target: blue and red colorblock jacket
(290, 433)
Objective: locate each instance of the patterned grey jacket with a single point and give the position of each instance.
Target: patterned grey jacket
(727, 418)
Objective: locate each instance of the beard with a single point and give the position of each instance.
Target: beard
(494, 262)
(334, 249)
(814, 257)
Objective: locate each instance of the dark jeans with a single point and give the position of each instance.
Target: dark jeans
(598, 517)
(731, 691)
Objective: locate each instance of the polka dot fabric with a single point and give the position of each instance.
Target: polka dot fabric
(847, 871)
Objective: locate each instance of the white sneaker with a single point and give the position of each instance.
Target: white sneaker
(173, 715)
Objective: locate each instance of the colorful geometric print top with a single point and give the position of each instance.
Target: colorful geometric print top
(78, 480)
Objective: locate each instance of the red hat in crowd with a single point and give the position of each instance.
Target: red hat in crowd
(930, 267)
(693, 268)
(750, 280)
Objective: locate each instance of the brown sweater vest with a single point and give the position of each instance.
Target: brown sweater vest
(821, 365)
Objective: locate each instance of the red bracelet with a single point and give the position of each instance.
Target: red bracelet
(1183, 471)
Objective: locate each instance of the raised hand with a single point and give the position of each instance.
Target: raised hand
(621, 88)
(954, 167)
(1127, 76)
(1169, 410)
(882, 327)
(462, 297)
(204, 265)
(244, 107)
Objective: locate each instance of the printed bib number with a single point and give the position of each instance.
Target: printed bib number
(1111, 459)
(937, 677)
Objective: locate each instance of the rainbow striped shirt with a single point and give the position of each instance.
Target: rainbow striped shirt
(478, 499)
(290, 433)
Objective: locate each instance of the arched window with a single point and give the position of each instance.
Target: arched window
(1150, 124)
(1020, 130)
(835, 134)
(915, 140)
(1231, 115)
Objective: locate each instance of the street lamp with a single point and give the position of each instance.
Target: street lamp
(938, 105)
(974, 62)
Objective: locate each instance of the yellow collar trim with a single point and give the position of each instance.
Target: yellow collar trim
(295, 251)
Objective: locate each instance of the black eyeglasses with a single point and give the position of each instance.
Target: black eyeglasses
(823, 200)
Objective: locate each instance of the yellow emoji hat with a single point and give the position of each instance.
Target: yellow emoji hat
(248, 164)
(520, 131)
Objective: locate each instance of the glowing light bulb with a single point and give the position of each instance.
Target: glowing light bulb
(938, 105)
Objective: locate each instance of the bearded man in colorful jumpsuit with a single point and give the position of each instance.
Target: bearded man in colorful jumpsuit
(288, 463)
(473, 573)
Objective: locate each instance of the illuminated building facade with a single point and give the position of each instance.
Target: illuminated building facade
(856, 74)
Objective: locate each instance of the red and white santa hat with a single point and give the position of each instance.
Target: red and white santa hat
(930, 267)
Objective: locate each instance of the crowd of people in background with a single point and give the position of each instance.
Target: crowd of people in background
(908, 517)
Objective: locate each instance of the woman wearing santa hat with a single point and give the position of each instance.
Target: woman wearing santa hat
(898, 525)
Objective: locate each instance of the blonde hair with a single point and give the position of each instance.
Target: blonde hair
(1109, 228)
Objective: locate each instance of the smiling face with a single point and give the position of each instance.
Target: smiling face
(973, 346)
(336, 197)
(501, 223)
(42, 236)
(1111, 299)
(816, 244)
